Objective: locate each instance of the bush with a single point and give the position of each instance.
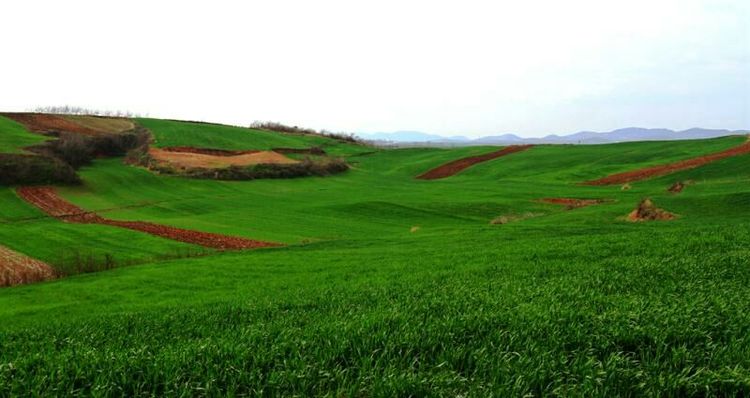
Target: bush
(56, 161)
(77, 110)
(74, 149)
(79, 150)
(34, 169)
(282, 128)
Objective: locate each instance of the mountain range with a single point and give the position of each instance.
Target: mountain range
(583, 137)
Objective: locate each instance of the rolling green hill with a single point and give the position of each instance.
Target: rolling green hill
(389, 285)
(176, 133)
(14, 137)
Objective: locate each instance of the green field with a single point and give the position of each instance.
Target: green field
(14, 137)
(389, 285)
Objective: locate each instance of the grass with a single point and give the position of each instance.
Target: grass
(203, 135)
(14, 137)
(360, 304)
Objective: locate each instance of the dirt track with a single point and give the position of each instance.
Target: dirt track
(16, 268)
(456, 166)
(656, 171)
(47, 199)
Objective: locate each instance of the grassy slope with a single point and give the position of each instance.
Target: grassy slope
(204, 135)
(14, 137)
(572, 302)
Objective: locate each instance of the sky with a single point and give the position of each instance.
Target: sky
(471, 68)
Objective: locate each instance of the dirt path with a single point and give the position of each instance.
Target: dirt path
(16, 268)
(456, 166)
(47, 199)
(657, 171)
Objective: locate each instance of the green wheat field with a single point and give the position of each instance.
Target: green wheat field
(386, 285)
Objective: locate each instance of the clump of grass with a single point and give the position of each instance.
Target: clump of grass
(509, 218)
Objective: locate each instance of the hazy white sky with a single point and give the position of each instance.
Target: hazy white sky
(459, 67)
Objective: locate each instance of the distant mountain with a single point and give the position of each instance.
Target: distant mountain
(410, 136)
(583, 137)
(505, 138)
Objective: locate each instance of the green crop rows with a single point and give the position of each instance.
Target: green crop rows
(388, 285)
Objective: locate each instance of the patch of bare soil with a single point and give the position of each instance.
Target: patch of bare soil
(195, 160)
(656, 171)
(205, 239)
(456, 166)
(571, 203)
(47, 199)
(647, 211)
(49, 124)
(103, 124)
(677, 187)
(16, 268)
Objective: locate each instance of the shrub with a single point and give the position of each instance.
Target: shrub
(282, 128)
(34, 169)
(78, 110)
(56, 161)
(79, 150)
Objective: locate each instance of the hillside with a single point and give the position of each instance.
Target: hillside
(630, 134)
(507, 277)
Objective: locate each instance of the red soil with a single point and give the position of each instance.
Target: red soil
(46, 199)
(655, 171)
(456, 166)
(16, 268)
(571, 203)
(42, 123)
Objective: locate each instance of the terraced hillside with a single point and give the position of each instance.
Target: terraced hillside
(493, 281)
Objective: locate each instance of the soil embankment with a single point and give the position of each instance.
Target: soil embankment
(456, 166)
(47, 199)
(656, 171)
(16, 268)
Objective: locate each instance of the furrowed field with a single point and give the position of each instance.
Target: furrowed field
(387, 285)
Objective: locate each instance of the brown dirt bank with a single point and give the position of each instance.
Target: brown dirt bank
(16, 268)
(86, 125)
(456, 166)
(202, 160)
(47, 199)
(656, 171)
